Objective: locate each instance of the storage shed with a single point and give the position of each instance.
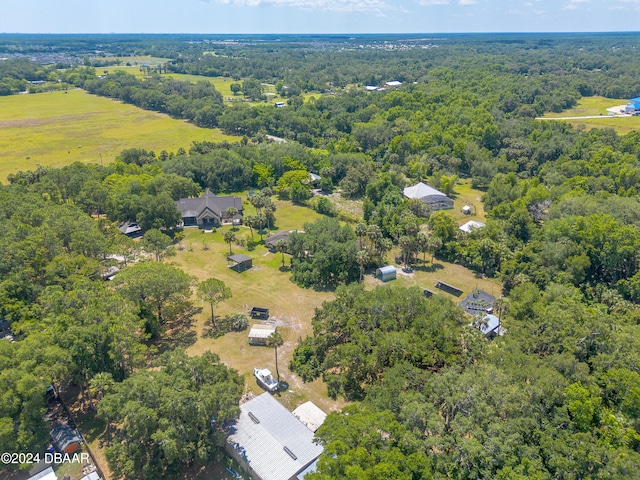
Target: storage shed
(259, 334)
(386, 273)
(241, 262)
(311, 415)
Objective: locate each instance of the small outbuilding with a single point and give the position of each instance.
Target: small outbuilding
(470, 226)
(259, 334)
(241, 262)
(466, 210)
(65, 439)
(311, 415)
(386, 273)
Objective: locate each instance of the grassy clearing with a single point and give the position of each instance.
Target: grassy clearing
(598, 106)
(622, 125)
(589, 106)
(426, 275)
(58, 128)
(136, 60)
(222, 84)
(265, 285)
(465, 194)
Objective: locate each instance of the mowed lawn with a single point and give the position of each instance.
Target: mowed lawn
(58, 128)
(204, 255)
(588, 106)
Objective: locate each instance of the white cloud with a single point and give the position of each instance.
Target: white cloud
(362, 6)
(466, 3)
(573, 4)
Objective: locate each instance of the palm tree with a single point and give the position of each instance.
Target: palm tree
(229, 237)
(231, 212)
(250, 221)
(281, 246)
(361, 231)
(362, 258)
(275, 340)
(435, 244)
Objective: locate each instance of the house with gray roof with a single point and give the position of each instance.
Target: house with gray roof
(209, 210)
(434, 199)
(270, 443)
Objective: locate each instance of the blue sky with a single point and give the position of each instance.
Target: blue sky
(316, 16)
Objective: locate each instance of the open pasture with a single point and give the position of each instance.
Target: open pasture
(597, 106)
(589, 106)
(58, 128)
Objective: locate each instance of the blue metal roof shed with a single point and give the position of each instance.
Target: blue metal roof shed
(386, 273)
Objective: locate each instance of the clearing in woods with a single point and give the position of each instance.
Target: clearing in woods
(57, 128)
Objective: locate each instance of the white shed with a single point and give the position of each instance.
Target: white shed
(259, 333)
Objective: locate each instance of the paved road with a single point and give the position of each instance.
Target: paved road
(614, 112)
(580, 118)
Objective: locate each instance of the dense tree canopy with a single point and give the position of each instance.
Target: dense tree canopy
(170, 418)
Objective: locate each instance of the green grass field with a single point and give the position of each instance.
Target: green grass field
(588, 106)
(58, 128)
(222, 84)
(265, 285)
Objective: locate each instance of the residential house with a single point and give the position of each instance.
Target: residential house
(489, 325)
(270, 443)
(271, 242)
(477, 302)
(209, 210)
(65, 439)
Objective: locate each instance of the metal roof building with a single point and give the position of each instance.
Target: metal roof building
(435, 199)
(270, 443)
(470, 226)
(386, 273)
(309, 414)
(259, 334)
